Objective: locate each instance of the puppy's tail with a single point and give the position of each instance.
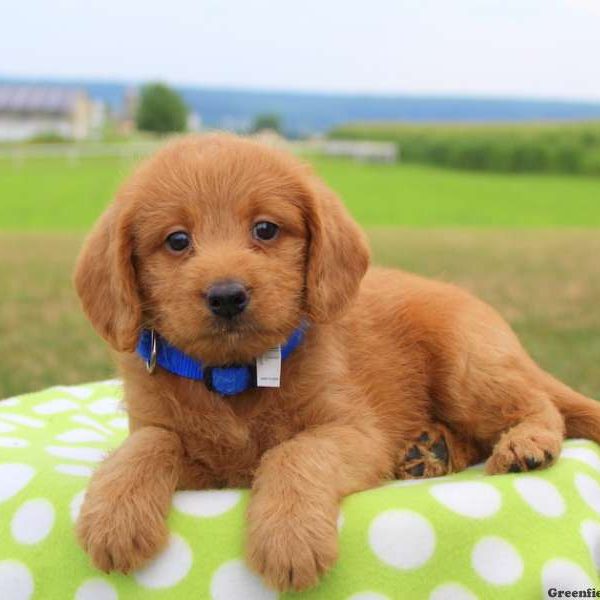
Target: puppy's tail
(581, 414)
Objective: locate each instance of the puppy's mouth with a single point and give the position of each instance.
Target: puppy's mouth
(238, 326)
(237, 329)
(235, 341)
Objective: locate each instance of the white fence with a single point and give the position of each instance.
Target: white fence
(386, 152)
(358, 150)
(74, 152)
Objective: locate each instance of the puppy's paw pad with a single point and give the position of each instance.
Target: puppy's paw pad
(533, 463)
(440, 450)
(427, 456)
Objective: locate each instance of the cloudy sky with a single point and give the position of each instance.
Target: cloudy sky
(539, 48)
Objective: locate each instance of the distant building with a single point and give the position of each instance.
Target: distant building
(27, 111)
(125, 116)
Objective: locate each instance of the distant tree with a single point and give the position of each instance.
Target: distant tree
(267, 121)
(160, 110)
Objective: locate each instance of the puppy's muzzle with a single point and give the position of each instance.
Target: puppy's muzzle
(227, 299)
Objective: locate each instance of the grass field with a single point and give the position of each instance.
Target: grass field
(46, 195)
(50, 195)
(545, 281)
(423, 196)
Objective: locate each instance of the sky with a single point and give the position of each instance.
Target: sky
(502, 48)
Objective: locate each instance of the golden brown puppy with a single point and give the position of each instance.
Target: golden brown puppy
(225, 248)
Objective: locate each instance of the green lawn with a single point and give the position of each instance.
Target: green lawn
(44, 195)
(52, 195)
(546, 281)
(423, 196)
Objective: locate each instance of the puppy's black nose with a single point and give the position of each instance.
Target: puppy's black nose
(227, 299)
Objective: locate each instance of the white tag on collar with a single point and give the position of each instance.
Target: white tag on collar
(268, 368)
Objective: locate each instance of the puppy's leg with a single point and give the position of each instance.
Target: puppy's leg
(533, 443)
(503, 404)
(508, 412)
(487, 386)
(292, 517)
(122, 521)
(435, 452)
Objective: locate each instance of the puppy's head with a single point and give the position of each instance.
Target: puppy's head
(222, 246)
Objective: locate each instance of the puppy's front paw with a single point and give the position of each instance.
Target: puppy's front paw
(120, 534)
(291, 550)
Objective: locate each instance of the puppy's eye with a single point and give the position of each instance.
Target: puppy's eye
(178, 241)
(265, 231)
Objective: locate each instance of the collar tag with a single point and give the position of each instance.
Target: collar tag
(268, 368)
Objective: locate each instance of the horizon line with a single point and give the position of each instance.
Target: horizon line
(475, 96)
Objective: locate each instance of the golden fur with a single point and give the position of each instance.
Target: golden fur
(388, 356)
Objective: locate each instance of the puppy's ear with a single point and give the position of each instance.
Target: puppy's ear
(338, 255)
(105, 280)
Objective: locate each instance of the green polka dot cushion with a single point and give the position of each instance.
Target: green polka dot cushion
(461, 537)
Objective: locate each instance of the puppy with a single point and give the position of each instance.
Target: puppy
(217, 253)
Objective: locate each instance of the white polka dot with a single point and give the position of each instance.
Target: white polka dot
(169, 567)
(96, 589)
(75, 436)
(6, 428)
(206, 503)
(81, 392)
(13, 478)
(12, 442)
(563, 574)
(368, 596)
(16, 581)
(497, 561)
(452, 591)
(589, 490)
(104, 406)
(22, 420)
(590, 531)
(10, 402)
(402, 538)
(33, 521)
(541, 495)
(585, 455)
(468, 498)
(75, 506)
(85, 454)
(85, 420)
(78, 470)
(54, 407)
(233, 581)
(120, 423)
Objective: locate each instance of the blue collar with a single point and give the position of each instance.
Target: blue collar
(226, 381)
